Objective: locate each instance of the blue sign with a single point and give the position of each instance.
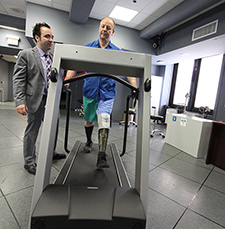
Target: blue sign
(174, 118)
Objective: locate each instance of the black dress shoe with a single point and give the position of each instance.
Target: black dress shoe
(31, 168)
(58, 156)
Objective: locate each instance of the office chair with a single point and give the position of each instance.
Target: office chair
(80, 110)
(132, 114)
(156, 119)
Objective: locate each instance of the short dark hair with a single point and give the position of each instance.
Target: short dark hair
(37, 29)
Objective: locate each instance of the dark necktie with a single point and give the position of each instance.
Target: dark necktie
(48, 68)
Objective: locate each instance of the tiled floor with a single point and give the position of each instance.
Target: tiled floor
(184, 192)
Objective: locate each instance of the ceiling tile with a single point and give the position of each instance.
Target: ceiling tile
(163, 10)
(17, 2)
(111, 1)
(11, 9)
(102, 7)
(139, 27)
(153, 6)
(130, 25)
(41, 2)
(2, 10)
(119, 22)
(97, 16)
(139, 18)
(138, 6)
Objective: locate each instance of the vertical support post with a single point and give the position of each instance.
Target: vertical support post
(143, 137)
(68, 107)
(48, 135)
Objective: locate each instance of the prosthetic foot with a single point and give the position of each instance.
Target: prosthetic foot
(102, 162)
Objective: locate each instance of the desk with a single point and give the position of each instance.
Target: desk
(216, 151)
(188, 133)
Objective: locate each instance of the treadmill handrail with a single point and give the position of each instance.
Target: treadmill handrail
(68, 106)
(86, 75)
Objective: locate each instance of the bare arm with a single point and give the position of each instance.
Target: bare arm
(132, 81)
(69, 74)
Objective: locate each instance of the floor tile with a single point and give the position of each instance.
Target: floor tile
(188, 158)
(7, 219)
(4, 132)
(157, 158)
(129, 162)
(219, 170)
(192, 220)
(188, 170)
(211, 204)
(15, 178)
(173, 186)
(162, 211)
(168, 149)
(216, 181)
(20, 202)
(11, 155)
(9, 142)
(129, 146)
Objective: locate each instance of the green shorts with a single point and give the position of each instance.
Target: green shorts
(90, 107)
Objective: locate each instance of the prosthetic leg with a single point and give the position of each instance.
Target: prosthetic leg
(103, 133)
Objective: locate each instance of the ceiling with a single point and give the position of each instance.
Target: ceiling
(154, 17)
(149, 10)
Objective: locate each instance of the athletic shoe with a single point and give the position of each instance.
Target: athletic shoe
(88, 147)
(102, 162)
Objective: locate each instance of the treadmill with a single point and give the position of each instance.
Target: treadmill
(84, 196)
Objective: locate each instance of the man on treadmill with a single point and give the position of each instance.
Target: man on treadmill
(98, 96)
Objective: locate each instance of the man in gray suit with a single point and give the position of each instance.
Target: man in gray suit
(30, 87)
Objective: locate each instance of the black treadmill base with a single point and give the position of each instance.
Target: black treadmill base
(85, 197)
(62, 206)
(59, 223)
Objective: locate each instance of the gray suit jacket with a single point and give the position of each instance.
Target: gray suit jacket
(29, 79)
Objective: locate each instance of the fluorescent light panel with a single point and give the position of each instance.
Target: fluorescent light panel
(123, 13)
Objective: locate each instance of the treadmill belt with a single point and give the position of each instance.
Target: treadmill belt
(85, 173)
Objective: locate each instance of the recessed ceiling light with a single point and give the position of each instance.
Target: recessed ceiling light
(123, 13)
(16, 10)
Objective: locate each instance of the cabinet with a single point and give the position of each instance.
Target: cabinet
(188, 133)
(216, 150)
